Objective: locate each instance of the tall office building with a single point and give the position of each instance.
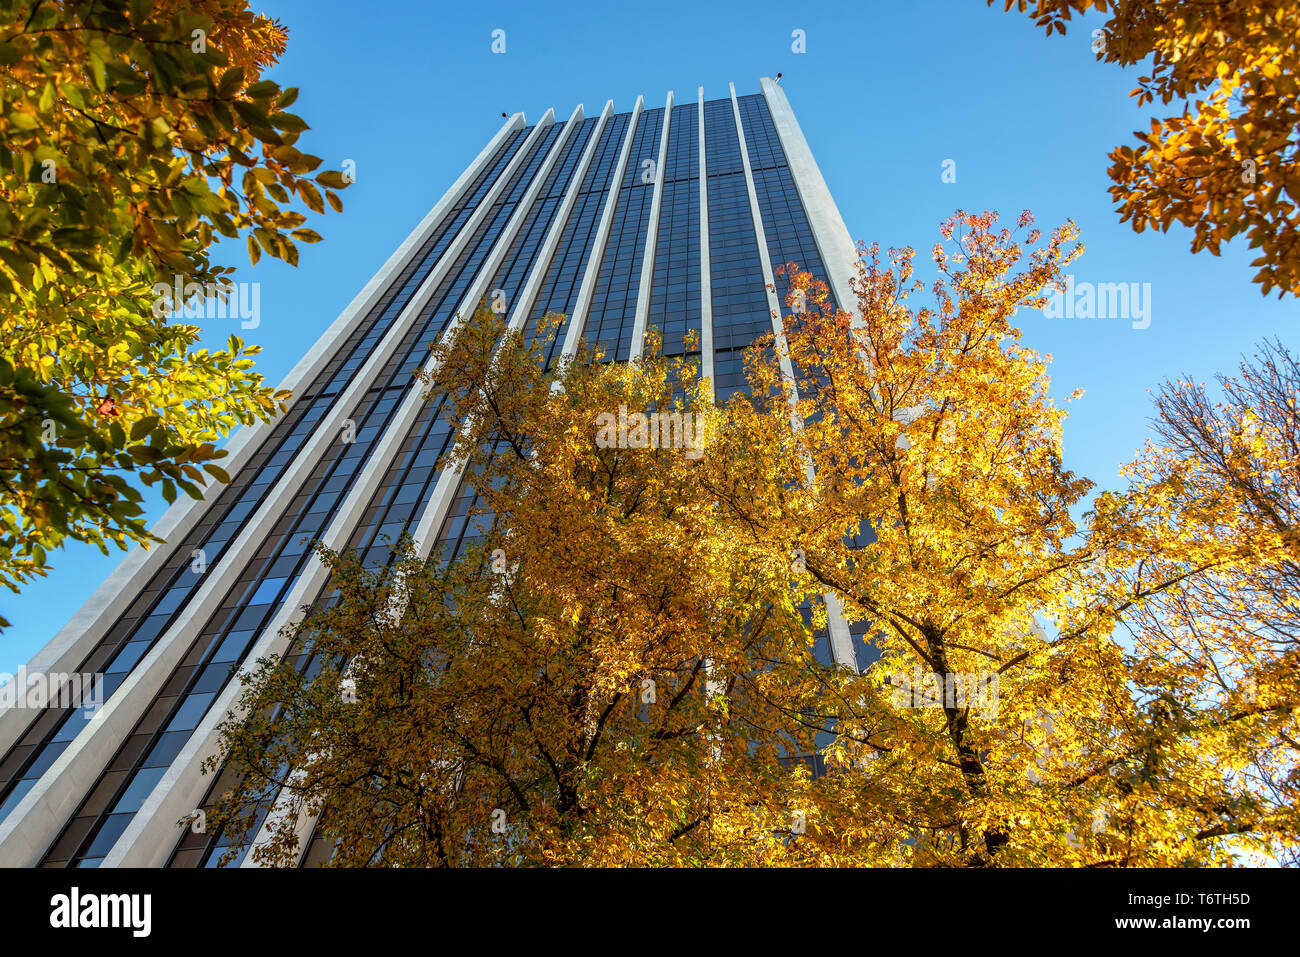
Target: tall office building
(668, 218)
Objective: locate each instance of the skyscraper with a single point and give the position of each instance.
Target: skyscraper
(668, 218)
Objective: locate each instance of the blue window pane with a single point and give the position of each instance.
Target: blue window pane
(140, 788)
(191, 712)
(267, 591)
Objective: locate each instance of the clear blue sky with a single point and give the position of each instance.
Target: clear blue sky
(885, 93)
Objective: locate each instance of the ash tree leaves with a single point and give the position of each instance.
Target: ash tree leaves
(135, 137)
(1228, 164)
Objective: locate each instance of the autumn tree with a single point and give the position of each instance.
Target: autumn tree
(1216, 502)
(921, 480)
(135, 135)
(601, 678)
(1228, 164)
(1059, 676)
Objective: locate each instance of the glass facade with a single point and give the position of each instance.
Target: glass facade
(613, 306)
(675, 289)
(530, 165)
(564, 276)
(737, 285)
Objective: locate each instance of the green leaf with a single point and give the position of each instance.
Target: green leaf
(311, 196)
(73, 237)
(140, 10)
(230, 82)
(288, 121)
(143, 427)
(97, 70)
(332, 178)
(255, 119)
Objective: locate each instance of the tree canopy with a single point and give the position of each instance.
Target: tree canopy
(600, 678)
(1228, 164)
(1053, 679)
(135, 136)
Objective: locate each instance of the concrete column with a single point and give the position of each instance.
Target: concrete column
(645, 290)
(706, 267)
(578, 321)
(841, 641)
